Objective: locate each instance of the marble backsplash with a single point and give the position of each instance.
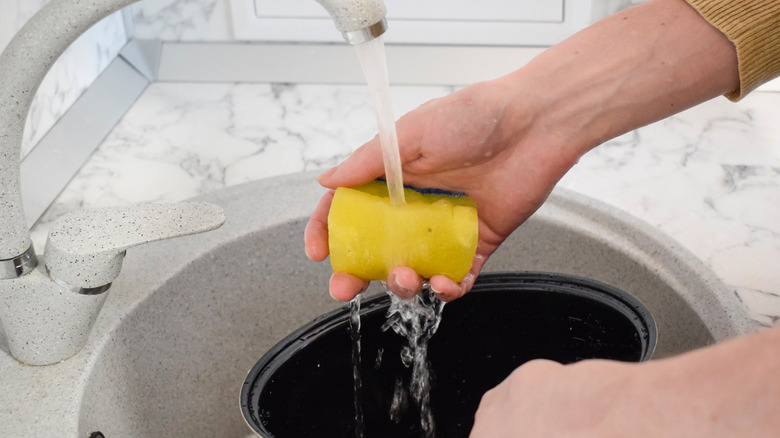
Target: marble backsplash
(180, 20)
(708, 177)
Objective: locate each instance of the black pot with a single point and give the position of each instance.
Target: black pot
(303, 387)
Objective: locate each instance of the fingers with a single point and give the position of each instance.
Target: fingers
(364, 165)
(535, 370)
(404, 282)
(505, 411)
(344, 287)
(447, 290)
(315, 236)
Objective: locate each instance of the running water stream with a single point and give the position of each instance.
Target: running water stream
(354, 330)
(414, 319)
(373, 60)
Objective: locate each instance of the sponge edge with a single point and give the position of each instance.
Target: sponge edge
(433, 233)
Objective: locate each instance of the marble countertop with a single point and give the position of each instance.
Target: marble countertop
(708, 177)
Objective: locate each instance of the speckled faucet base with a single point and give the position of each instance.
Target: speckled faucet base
(45, 323)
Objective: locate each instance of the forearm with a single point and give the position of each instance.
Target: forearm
(729, 389)
(629, 70)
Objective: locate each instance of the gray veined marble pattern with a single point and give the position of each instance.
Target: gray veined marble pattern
(182, 20)
(708, 177)
(183, 139)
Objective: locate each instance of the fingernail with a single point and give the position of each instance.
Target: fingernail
(330, 172)
(401, 288)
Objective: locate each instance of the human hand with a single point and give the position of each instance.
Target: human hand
(546, 399)
(726, 390)
(508, 141)
(466, 142)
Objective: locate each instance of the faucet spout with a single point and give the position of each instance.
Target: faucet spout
(358, 21)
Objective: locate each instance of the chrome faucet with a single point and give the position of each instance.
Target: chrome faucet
(48, 310)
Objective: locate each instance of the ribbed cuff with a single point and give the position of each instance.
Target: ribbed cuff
(754, 28)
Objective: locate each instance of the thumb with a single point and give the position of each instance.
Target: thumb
(364, 165)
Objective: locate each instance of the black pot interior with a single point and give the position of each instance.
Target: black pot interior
(304, 388)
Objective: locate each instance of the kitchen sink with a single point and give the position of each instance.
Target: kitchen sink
(188, 318)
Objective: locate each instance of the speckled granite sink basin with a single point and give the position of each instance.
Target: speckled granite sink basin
(188, 318)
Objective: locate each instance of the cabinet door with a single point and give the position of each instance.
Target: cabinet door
(469, 22)
(430, 10)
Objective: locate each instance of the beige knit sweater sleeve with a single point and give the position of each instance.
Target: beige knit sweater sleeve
(754, 28)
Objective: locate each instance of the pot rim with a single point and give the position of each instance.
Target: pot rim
(618, 299)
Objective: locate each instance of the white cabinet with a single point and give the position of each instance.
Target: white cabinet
(433, 10)
(469, 22)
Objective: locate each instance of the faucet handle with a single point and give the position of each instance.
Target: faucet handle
(85, 248)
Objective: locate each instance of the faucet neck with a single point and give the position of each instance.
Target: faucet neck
(23, 65)
(367, 34)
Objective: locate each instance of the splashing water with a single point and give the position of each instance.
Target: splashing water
(415, 319)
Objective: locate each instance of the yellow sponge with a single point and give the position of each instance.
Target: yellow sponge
(433, 233)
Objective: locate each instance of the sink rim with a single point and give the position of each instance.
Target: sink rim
(144, 274)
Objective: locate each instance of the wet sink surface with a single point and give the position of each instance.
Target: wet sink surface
(188, 318)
